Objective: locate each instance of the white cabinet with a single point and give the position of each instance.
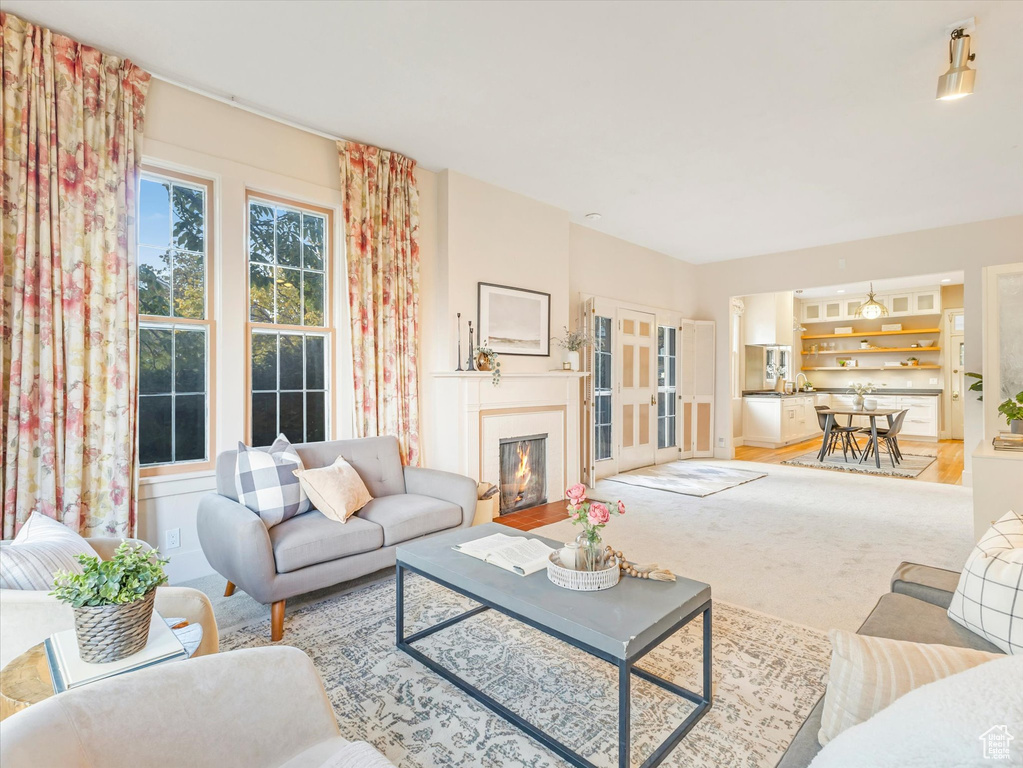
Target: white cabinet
(767, 318)
(921, 417)
(850, 306)
(899, 304)
(927, 302)
(832, 310)
(771, 422)
(811, 311)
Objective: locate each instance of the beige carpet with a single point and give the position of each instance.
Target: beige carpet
(817, 548)
(768, 674)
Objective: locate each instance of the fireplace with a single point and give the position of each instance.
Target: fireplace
(523, 472)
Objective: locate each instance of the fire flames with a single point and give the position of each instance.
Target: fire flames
(524, 473)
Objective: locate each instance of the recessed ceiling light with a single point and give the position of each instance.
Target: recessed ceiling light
(593, 216)
(947, 280)
(841, 290)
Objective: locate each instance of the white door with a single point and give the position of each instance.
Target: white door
(637, 389)
(955, 352)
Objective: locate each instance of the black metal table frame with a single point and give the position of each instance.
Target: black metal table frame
(626, 668)
(829, 424)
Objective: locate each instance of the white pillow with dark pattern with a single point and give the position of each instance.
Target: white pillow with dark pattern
(265, 483)
(42, 547)
(989, 598)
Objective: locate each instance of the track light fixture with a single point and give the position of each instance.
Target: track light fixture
(958, 81)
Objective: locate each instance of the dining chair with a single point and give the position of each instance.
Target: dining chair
(845, 435)
(890, 437)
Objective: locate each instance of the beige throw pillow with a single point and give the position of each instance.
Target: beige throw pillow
(337, 491)
(869, 673)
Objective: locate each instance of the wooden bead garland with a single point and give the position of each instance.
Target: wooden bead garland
(638, 571)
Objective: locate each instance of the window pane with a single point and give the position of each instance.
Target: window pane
(264, 418)
(154, 281)
(189, 427)
(289, 300)
(154, 361)
(314, 363)
(669, 405)
(660, 404)
(292, 416)
(261, 233)
(316, 417)
(603, 443)
(155, 437)
(189, 286)
(189, 212)
(312, 288)
(264, 361)
(291, 362)
(604, 372)
(312, 242)
(289, 237)
(189, 361)
(603, 409)
(154, 213)
(261, 293)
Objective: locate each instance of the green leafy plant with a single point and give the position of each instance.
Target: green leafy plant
(126, 577)
(978, 385)
(575, 340)
(491, 357)
(1011, 409)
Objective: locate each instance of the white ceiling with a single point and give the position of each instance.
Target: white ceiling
(889, 285)
(705, 130)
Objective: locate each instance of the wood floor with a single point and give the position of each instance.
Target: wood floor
(947, 469)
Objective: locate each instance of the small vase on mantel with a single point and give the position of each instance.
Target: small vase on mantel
(572, 358)
(589, 552)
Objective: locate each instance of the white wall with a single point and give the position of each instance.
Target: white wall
(966, 247)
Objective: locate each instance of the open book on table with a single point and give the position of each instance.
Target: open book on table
(512, 553)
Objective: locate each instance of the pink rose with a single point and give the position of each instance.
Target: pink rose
(599, 514)
(621, 507)
(576, 494)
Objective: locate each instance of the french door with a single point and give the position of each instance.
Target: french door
(637, 393)
(696, 389)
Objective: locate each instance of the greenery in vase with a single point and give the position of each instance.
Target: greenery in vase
(491, 357)
(575, 340)
(860, 388)
(125, 578)
(978, 385)
(1011, 409)
(592, 515)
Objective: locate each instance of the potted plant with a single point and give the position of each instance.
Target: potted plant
(572, 342)
(978, 385)
(593, 516)
(486, 360)
(864, 344)
(859, 390)
(1012, 410)
(913, 361)
(112, 600)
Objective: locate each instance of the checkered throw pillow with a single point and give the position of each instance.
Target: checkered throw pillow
(265, 483)
(989, 598)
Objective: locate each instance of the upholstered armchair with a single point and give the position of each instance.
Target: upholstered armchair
(30, 616)
(258, 708)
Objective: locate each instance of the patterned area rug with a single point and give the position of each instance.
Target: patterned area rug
(768, 675)
(691, 478)
(910, 466)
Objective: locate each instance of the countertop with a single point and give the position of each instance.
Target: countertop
(844, 391)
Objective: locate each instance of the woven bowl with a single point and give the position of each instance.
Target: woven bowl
(582, 581)
(111, 632)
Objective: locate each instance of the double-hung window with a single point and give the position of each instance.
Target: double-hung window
(289, 320)
(666, 357)
(602, 448)
(174, 236)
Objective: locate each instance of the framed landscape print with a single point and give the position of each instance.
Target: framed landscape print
(514, 321)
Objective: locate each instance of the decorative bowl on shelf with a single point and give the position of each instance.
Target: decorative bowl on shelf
(927, 342)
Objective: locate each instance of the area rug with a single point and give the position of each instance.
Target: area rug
(690, 478)
(768, 675)
(910, 466)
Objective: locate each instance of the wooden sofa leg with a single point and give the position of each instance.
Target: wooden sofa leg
(229, 589)
(277, 621)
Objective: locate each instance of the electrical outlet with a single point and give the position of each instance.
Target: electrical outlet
(934, 382)
(173, 538)
(841, 263)
(721, 442)
(909, 384)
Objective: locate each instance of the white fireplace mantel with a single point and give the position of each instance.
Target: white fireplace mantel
(473, 415)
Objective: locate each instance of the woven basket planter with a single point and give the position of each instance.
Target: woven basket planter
(111, 632)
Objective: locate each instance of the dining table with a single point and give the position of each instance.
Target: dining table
(829, 424)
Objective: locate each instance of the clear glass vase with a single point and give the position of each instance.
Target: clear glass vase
(590, 552)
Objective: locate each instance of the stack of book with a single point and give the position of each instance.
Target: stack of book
(1008, 441)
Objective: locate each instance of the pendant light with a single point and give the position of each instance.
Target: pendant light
(958, 81)
(871, 309)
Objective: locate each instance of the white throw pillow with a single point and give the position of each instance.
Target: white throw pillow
(989, 598)
(337, 491)
(42, 547)
(869, 673)
(265, 483)
(357, 754)
(945, 724)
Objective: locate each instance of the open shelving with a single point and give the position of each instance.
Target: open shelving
(872, 350)
(868, 367)
(910, 332)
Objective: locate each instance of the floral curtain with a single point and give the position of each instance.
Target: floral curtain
(72, 132)
(381, 213)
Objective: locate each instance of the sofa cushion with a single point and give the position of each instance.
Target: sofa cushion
(901, 617)
(410, 516)
(266, 484)
(989, 597)
(41, 548)
(313, 538)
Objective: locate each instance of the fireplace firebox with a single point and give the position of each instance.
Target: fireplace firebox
(523, 472)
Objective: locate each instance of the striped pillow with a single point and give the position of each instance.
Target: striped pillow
(869, 673)
(42, 547)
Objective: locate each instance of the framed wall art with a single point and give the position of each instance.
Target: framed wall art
(514, 321)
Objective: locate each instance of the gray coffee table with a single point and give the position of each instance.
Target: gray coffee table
(619, 625)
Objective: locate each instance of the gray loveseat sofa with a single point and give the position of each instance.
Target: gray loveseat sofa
(311, 551)
(916, 611)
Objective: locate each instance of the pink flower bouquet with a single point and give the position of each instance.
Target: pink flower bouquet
(592, 515)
